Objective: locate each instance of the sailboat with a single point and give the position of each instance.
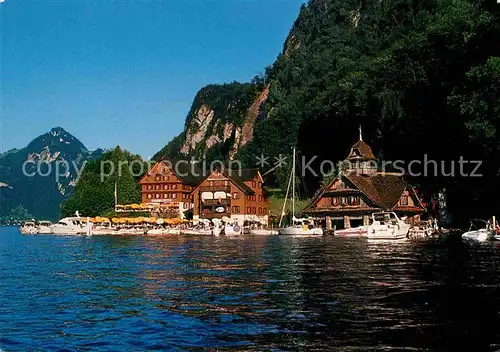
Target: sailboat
(297, 226)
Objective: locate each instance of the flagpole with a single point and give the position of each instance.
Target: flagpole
(116, 197)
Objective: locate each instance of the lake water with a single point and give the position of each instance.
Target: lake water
(250, 294)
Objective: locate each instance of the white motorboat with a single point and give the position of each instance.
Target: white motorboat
(263, 232)
(233, 229)
(197, 232)
(69, 226)
(165, 231)
(134, 231)
(103, 229)
(297, 226)
(360, 231)
(388, 227)
(44, 227)
(423, 230)
(480, 231)
(29, 228)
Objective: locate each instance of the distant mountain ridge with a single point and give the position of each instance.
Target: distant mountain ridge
(41, 175)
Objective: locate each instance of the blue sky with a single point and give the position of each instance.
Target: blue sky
(126, 72)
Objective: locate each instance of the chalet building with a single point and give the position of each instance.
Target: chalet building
(238, 195)
(169, 186)
(360, 190)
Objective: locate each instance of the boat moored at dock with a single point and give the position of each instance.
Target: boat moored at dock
(387, 226)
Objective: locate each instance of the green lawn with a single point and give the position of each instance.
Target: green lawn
(276, 205)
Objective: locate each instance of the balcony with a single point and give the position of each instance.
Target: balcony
(222, 188)
(211, 202)
(214, 214)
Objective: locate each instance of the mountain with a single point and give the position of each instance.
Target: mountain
(41, 175)
(421, 76)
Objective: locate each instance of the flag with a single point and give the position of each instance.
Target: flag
(116, 197)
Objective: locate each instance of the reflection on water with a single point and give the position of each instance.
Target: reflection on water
(274, 293)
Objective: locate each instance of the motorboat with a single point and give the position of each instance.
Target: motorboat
(297, 226)
(480, 231)
(105, 228)
(164, 231)
(69, 226)
(263, 232)
(360, 231)
(29, 228)
(233, 229)
(387, 226)
(129, 231)
(44, 227)
(424, 230)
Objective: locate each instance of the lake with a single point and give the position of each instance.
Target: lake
(250, 294)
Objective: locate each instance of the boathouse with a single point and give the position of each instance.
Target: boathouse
(360, 189)
(235, 194)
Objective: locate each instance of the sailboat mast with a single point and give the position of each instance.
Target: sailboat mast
(286, 197)
(293, 186)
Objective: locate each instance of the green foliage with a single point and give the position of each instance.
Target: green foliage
(18, 213)
(94, 192)
(420, 76)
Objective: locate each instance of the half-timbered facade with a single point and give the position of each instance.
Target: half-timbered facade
(360, 190)
(237, 195)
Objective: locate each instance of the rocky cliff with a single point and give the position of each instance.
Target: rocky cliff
(220, 122)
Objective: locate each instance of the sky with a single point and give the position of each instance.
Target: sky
(126, 72)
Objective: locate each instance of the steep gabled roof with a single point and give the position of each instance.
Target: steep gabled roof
(383, 189)
(239, 178)
(361, 151)
(188, 173)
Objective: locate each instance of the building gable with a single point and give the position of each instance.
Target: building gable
(160, 172)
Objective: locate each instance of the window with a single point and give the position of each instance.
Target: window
(150, 196)
(211, 183)
(335, 201)
(174, 186)
(235, 195)
(249, 210)
(264, 211)
(157, 196)
(157, 178)
(236, 209)
(254, 184)
(150, 187)
(260, 198)
(165, 195)
(260, 211)
(254, 210)
(353, 200)
(260, 184)
(174, 195)
(344, 201)
(403, 200)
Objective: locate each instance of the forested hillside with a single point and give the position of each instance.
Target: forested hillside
(94, 192)
(421, 77)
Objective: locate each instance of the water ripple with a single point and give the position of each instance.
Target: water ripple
(251, 294)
